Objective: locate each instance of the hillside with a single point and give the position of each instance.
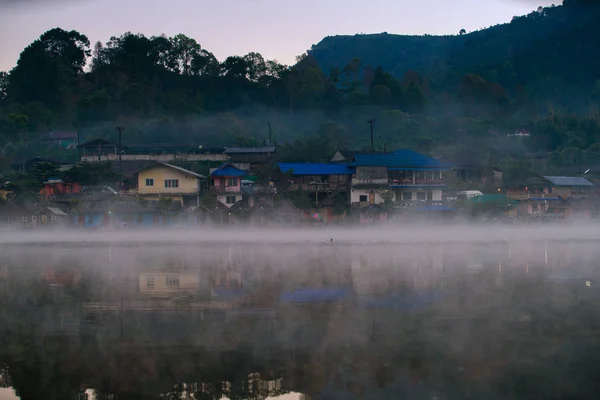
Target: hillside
(553, 52)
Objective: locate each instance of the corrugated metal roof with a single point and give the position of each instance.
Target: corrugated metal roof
(315, 169)
(249, 150)
(185, 171)
(57, 211)
(568, 181)
(398, 158)
(228, 169)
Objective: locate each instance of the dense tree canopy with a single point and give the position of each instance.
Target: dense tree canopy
(540, 74)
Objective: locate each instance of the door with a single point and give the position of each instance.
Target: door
(429, 195)
(371, 198)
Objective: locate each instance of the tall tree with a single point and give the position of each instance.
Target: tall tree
(48, 67)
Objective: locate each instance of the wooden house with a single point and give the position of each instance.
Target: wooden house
(319, 181)
(227, 183)
(11, 215)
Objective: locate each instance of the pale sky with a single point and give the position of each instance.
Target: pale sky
(278, 29)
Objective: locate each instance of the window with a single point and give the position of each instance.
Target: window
(172, 282)
(231, 181)
(171, 183)
(407, 196)
(363, 198)
(149, 182)
(150, 283)
(421, 195)
(230, 200)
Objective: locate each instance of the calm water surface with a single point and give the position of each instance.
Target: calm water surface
(478, 321)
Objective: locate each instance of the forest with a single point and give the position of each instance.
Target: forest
(461, 97)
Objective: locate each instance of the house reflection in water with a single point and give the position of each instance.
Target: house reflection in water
(375, 321)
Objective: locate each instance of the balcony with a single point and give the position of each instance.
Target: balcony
(369, 181)
(319, 187)
(408, 183)
(225, 190)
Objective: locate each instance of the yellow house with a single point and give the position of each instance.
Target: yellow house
(166, 180)
(164, 284)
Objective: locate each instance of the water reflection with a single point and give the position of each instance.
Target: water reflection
(246, 322)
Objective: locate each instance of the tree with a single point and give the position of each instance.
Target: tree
(3, 85)
(183, 51)
(47, 68)
(462, 32)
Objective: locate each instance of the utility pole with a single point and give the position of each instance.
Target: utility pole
(270, 135)
(120, 130)
(370, 122)
(580, 162)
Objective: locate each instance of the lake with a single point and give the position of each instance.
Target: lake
(135, 320)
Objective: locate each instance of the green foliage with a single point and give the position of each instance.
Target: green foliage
(91, 174)
(437, 95)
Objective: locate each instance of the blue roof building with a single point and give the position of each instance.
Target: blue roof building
(323, 183)
(403, 177)
(227, 183)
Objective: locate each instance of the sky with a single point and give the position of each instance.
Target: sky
(278, 29)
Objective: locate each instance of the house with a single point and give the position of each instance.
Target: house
(318, 181)
(403, 177)
(227, 183)
(127, 212)
(99, 150)
(251, 158)
(49, 216)
(57, 187)
(11, 215)
(373, 213)
(160, 180)
(166, 284)
(549, 195)
(64, 139)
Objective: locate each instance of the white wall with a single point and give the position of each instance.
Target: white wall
(223, 199)
(356, 193)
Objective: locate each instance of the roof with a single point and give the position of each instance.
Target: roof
(315, 169)
(61, 135)
(250, 150)
(568, 181)
(183, 170)
(228, 169)
(400, 158)
(490, 198)
(96, 143)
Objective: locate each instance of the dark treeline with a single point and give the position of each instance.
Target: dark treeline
(170, 89)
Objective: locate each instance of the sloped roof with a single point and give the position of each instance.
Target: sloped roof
(250, 150)
(314, 169)
(61, 135)
(228, 169)
(183, 170)
(400, 158)
(568, 181)
(57, 211)
(96, 143)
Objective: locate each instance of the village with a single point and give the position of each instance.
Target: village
(160, 185)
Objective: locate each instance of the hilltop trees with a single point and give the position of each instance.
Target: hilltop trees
(428, 93)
